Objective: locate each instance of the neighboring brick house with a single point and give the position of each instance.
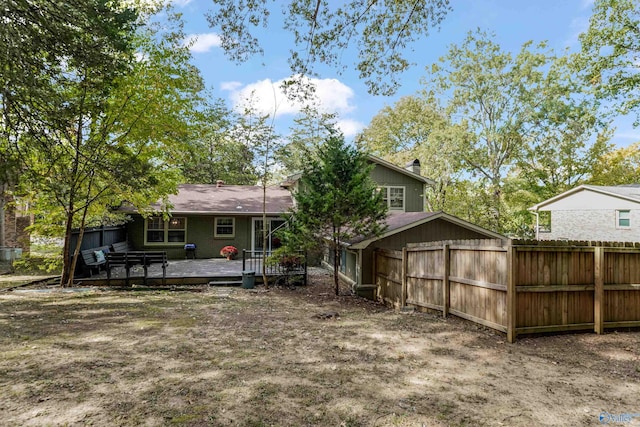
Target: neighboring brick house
(13, 225)
(591, 212)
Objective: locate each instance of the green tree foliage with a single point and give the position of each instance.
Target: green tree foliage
(38, 44)
(99, 139)
(617, 167)
(416, 128)
(323, 30)
(610, 50)
(310, 128)
(336, 198)
(54, 59)
(497, 132)
(215, 154)
(515, 113)
(492, 95)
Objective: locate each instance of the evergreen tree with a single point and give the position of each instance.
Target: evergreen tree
(337, 199)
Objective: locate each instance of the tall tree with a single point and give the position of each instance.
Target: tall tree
(310, 128)
(215, 153)
(257, 131)
(42, 44)
(563, 148)
(323, 30)
(510, 111)
(610, 50)
(336, 198)
(59, 64)
(97, 142)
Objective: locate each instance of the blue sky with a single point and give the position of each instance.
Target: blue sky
(513, 21)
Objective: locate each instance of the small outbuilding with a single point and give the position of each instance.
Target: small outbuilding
(357, 266)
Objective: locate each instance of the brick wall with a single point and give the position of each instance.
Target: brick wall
(592, 225)
(15, 234)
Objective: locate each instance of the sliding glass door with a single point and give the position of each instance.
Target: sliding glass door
(273, 224)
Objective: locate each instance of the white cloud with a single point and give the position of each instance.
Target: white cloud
(350, 128)
(230, 86)
(200, 43)
(635, 136)
(577, 26)
(267, 97)
(180, 3)
(586, 4)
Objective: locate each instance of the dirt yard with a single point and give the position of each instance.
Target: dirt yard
(229, 356)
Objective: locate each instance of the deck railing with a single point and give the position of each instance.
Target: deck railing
(292, 265)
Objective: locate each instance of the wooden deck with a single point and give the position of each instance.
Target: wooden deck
(214, 271)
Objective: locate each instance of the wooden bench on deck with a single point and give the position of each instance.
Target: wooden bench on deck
(131, 258)
(123, 247)
(90, 262)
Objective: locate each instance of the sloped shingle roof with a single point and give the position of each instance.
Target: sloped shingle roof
(631, 191)
(401, 221)
(627, 191)
(228, 199)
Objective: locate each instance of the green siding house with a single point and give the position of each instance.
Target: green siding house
(211, 217)
(214, 216)
(407, 222)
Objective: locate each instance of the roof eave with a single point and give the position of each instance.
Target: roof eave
(582, 187)
(365, 243)
(390, 165)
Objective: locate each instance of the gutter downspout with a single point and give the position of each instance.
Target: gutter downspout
(359, 269)
(537, 223)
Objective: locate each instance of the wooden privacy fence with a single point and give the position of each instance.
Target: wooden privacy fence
(517, 287)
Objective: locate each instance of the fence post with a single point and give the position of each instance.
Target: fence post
(403, 298)
(598, 297)
(446, 295)
(511, 293)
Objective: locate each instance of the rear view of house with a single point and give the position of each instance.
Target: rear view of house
(212, 217)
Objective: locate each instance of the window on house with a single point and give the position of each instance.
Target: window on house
(155, 230)
(393, 197)
(177, 230)
(172, 231)
(624, 219)
(544, 222)
(225, 227)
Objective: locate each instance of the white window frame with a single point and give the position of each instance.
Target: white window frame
(216, 225)
(627, 217)
(165, 230)
(270, 220)
(387, 197)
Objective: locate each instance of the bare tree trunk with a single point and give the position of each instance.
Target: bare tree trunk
(336, 260)
(76, 251)
(336, 268)
(66, 250)
(265, 280)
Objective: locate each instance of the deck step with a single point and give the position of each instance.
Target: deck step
(225, 283)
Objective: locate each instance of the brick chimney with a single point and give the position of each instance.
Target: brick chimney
(413, 166)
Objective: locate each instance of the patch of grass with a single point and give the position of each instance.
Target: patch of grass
(442, 351)
(445, 410)
(35, 264)
(264, 392)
